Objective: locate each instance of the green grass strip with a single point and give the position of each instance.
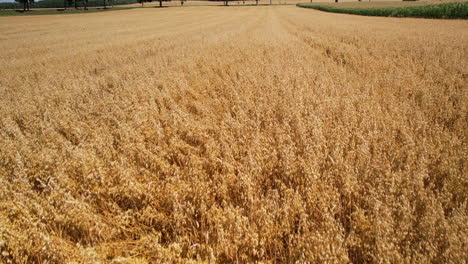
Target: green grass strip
(451, 10)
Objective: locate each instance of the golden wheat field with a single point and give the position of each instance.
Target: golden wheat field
(270, 134)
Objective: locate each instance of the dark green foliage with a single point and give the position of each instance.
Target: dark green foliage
(59, 4)
(25, 3)
(446, 10)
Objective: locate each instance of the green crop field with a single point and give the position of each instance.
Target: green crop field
(396, 9)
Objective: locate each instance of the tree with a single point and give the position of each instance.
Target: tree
(256, 2)
(85, 3)
(141, 2)
(67, 3)
(160, 3)
(25, 3)
(105, 4)
(226, 2)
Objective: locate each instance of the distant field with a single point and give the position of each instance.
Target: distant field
(99, 3)
(206, 134)
(450, 10)
(17, 9)
(58, 5)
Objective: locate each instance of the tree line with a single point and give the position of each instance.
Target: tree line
(142, 2)
(77, 4)
(66, 4)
